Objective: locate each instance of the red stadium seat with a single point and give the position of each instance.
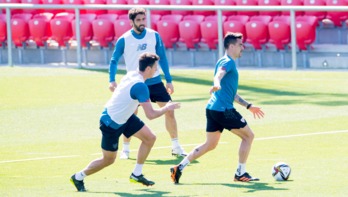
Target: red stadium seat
(160, 2)
(279, 32)
(13, 11)
(321, 15)
(235, 26)
(337, 17)
(117, 2)
(138, 2)
(257, 31)
(154, 19)
(61, 29)
(175, 17)
(39, 28)
(121, 27)
(52, 2)
(197, 18)
(291, 3)
(74, 2)
(205, 3)
(93, 2)
(19, 31)
(305, 35)
(25, 17)
(241, 18)
(190, 33)
(124, 16)
(312, 20)
(247, 3)
(215, 18)
(85, 29)
(226, 3)
(3, 29)
(210, 34)
(181, 2)
(47, 16)
(110, 17)
(269, 3)
(66, 16)
(169, 32)
(32, 11)
(103, 30)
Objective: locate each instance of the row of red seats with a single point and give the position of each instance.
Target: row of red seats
(257, 30)
(336, 17)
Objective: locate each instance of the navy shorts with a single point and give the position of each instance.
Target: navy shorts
(158, 93)
(220, 120)
(110, 135)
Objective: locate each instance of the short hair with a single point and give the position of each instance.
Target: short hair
(231, 38)
(132, 13)
(147, 59)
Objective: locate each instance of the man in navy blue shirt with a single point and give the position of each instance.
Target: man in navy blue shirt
(221, 113)
(131, 44)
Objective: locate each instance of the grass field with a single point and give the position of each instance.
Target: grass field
(48, 112)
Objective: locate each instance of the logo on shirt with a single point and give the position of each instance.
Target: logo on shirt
(223, 68)
(147, 100)
(141, 47)
(243, 120)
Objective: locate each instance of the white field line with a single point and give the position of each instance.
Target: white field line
(287, 136)
(41, 158)
(164, 147)
(266, 138)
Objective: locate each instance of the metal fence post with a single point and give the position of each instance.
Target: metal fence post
(293, 40)
(78, 37)
(148, 18)
(220, 32)
(9, 37)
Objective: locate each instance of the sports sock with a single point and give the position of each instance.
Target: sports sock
(138, 169)
(184, 163)
(241, 169)
(175, 142)
(126, 147)
(80, 176)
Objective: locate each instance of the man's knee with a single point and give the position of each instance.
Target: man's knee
(170, 115)
(211, 145)
(108, 160)
(150, 140)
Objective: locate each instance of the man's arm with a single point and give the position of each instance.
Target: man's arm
(255, 110)
(155, 113)
(117, 54)
(217, 79)
(161, 52)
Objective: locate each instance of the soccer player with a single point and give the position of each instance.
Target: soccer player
(221, 113)
(118, 118)
(131, 44)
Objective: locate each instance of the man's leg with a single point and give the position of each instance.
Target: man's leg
(95, 166)
(210, 144)
(172, 129)
(147, 141)
(125, 152)
(247, 137)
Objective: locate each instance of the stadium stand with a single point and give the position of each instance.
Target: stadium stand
(247, 3)
(138, 2)
(226, 3)
(291, 3)
(118, 2)
(160, 2)
(93, 2)
(269, 3)
(13, 11)
(52, 2)
(236, 24)
(74, 2)
(32, 11)
(205, 3)
(181, 2)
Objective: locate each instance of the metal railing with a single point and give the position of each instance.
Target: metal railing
(219, 10)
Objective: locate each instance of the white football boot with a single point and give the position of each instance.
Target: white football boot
(178, 151)
(124, 155)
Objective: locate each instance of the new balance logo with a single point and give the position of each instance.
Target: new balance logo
(141, 47)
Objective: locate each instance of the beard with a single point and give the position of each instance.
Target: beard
(138, 28)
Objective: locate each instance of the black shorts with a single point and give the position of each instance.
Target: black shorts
(229, 119)
(158, 93)
(110, 135)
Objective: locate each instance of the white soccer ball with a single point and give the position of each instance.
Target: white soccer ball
(281, 171)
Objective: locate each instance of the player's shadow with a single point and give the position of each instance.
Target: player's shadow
(174, 161)
(251, 186)
(149, 192)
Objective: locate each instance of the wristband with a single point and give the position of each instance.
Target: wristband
(249, 105)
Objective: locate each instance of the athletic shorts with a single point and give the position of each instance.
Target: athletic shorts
(220, 120)
(110, 135)
(158, 93)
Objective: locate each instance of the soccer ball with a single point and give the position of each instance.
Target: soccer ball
(281, 171)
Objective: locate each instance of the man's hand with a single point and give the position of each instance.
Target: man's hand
(214, 89)
(112, 86)
(170, 88)
(256, 111)
(172, 106)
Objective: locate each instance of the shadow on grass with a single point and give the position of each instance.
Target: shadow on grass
(150, 192)
(251, 186)
(301, 97)
(174, 161)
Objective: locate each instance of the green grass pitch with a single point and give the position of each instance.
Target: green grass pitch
(53, 112)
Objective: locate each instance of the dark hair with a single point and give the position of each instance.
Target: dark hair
(132, 13)
(231, 38)
(147, 59)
